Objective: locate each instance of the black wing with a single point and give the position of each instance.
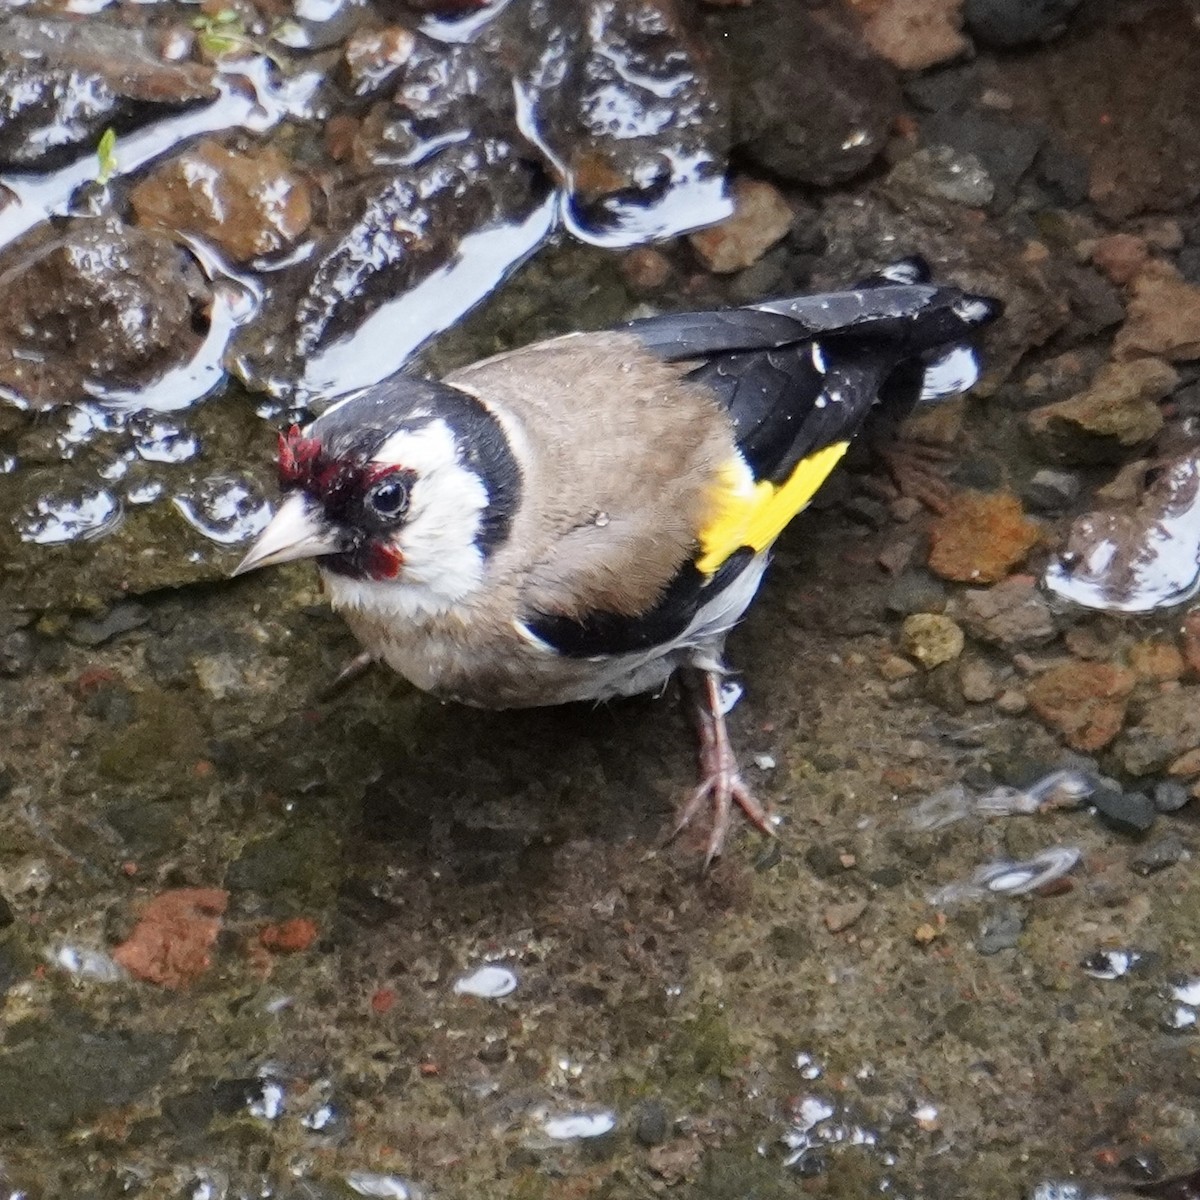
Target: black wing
(797, 376)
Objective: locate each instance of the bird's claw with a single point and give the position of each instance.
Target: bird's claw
(721, 783)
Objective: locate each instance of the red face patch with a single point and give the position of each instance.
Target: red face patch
(341, 484)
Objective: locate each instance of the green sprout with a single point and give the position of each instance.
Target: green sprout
(224, 32)
(106, 156)
(221, 32)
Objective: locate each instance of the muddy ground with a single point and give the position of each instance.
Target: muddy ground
(241, 920)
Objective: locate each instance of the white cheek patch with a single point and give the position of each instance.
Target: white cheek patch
(442, 562)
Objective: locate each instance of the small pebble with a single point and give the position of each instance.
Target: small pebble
(894, 668)
(914, 592)
(978, 681)
(905, 509)
(842, 916)
(1000, 931)
(932, 639)
(1170, 795)
(1126, 812)
(653, 1124)
(1011, 702)
(1051, 490)
(1157, 856)
(17, 651)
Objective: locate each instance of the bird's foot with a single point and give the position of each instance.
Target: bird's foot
(915, 470)
(721, 783)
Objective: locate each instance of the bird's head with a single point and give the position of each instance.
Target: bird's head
(410, 485)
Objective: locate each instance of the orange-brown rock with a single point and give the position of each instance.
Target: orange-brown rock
(982, 538)
(1121, 256)
(247, 204)
(172, 943)
(1163, 316)
(289, 937)
(1155, 660)
(1083, 701)
(761, 217)
(913, 34)
(1189, 641)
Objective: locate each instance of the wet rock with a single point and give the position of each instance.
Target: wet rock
(932, 639)
(289, 937)
(942, 172)
(914, 34)
(63, 82)
(626, 110)
(1008, 23)
(1117, 414)
(1151, 166)
(982, 538)
(811, 103)
(1095, 304)
(1012, 702)
(1156, 661)
(1085, 702)
(171, 945)
(1126, 812)
(18, 650)
(120, 619)
(440, 161)
(1051, 491)
(1013, 614)
(1158, 855)
(761, 217)
(914, 592)
(838, 917)
(894, 668)
(1121, 256)
(866, 510)
(1189, 641)
(58, 1073)
(1168, 727)
(96, 303)
(978, 682)
(249, 205)
(645, 269)
(1164, 316)
(1062, 172)
(1000, 931)
(653, 1123)
(1170, 795)
(373, 58)
(1004, 146)
(1139, 560)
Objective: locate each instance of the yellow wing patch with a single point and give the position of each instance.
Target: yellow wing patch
(749, 513)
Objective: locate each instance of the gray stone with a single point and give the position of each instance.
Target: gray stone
(1000, 930)
(653, 1124)
(914, 592)
(1007, 23)
(1157, 856)
(1051, 490)
(1126, 812)
(811, 103)
(1170, 795)
(1012, 614)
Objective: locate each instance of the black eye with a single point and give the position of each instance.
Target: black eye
(388, 498)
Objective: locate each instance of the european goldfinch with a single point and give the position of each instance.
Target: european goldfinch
(582, 517)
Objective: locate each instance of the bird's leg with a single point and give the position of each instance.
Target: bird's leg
(721, 783)
(355, 669)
